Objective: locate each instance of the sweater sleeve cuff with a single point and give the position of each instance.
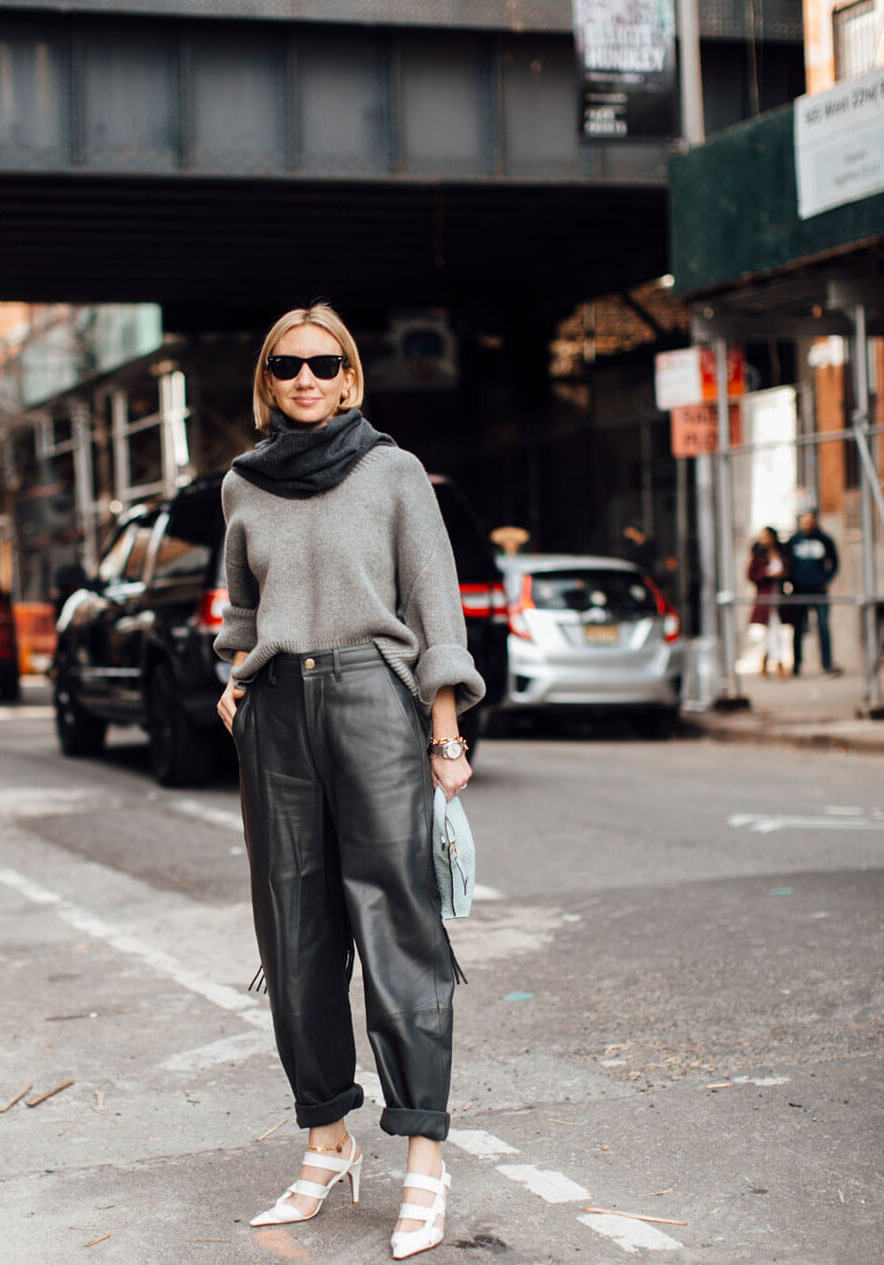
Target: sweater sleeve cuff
(238, 632)
(448, 665)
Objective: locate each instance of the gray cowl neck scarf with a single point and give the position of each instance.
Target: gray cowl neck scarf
(296, 462)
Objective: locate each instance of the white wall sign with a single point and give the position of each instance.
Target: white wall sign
(839, 144)
(677, 378)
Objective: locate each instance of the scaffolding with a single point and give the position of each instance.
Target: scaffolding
(95, 429)
(846, 313)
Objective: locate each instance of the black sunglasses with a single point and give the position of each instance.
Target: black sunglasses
(287, 367)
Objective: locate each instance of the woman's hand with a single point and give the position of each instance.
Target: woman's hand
(233, 692)
(451, 775)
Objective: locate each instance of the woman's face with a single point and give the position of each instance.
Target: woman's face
(306, 399)
(766, 539)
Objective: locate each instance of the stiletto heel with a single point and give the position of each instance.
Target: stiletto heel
(284, 1212)
(355, 1175)
(410, 1242)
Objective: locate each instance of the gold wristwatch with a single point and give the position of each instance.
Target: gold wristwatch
(448, 748)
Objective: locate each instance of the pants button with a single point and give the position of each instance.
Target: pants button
(309, 663)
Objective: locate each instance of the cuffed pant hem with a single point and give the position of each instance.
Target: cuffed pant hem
(403, 1122)
(317, 1114)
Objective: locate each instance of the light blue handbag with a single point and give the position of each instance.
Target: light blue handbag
(454, 856)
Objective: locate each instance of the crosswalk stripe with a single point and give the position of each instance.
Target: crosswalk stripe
(477, 1142)
(632, 1236)
(554, 1187)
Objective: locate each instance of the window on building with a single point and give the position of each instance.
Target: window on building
(854, 30)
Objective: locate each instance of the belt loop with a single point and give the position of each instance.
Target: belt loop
(336, 660)
(271, 671)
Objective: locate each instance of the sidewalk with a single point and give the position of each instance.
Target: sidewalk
(810, 710)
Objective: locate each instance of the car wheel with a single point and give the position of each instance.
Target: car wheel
(180, 753)
(79, 733)
(658, 725)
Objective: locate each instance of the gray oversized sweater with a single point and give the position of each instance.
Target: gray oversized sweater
(369, 560)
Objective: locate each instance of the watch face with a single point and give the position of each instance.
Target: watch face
(452, 750)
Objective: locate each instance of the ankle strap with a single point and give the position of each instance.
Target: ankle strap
(420, 1181)
(329, 1160)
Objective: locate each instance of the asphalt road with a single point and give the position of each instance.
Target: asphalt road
(674, 1010)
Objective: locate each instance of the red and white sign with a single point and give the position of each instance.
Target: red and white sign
(695, 429)
(690, 376)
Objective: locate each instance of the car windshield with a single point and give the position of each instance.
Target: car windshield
(618, 593)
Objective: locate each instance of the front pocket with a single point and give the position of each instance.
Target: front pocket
(407, 706)
(238, 714)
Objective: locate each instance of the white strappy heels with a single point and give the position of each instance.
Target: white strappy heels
(283, 1211)
(429, 1234)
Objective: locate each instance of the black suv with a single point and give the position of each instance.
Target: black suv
(135, 644)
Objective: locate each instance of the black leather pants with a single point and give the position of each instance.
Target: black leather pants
(337, 804)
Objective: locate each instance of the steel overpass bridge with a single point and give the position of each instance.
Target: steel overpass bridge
(226, 158)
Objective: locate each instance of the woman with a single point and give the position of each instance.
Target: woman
(767, 571)
(345, 629)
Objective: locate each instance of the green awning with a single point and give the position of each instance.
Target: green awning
(734, 210)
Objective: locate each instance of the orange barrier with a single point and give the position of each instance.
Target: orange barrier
(35, 633)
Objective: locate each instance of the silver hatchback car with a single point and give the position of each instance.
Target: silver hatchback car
(593, 633)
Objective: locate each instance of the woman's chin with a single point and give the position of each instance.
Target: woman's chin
(306, 417)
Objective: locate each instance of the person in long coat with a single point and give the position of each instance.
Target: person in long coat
(768, 572)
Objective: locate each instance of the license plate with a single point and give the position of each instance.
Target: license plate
(602, 634)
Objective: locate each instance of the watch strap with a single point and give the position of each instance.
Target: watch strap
(437, 746)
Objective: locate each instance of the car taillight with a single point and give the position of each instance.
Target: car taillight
(484, 601)
(476, 600)
(210, 612)
(671, 621)
(671, 626)
(524, 602)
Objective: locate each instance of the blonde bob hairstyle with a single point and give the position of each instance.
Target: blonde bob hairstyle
(325, 317)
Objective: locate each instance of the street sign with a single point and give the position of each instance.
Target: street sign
(694, 428)
(839, 144)
(690, 376)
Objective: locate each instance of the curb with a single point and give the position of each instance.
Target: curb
(822, 739)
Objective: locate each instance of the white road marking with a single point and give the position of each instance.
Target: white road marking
(843, 810)
(157, 959)
(765, 824)
(478, 1142)
(27, 711)
(632, 1236)
(481, 892)
(228, 1050)
(204, 812)
(762, 1080)
(45, 801)
(554, 1187)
